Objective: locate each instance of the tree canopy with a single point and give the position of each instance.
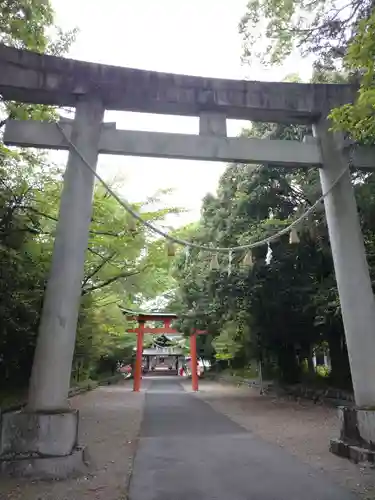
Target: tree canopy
(338, 36)
(272, 30)
(282, 303)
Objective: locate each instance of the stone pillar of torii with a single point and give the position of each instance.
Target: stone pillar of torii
(43, 440)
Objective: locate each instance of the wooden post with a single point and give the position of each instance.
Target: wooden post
(138, 359)
(193, 355)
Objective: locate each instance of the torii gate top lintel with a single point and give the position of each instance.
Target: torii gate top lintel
(43, 79)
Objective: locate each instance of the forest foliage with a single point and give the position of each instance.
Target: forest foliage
(125, 265)
(285, 305)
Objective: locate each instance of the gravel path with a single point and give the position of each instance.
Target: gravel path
(110, 419)
(302, 428)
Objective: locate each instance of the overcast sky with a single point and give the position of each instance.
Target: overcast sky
(195, 37)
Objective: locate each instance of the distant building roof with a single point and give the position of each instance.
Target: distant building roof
(147, 315)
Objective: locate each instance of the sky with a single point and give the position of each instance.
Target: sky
(195, 37)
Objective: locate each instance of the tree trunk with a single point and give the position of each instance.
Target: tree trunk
(340, 374)
(288, 365)
(310, 364)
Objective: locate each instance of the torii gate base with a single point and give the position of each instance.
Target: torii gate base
(41, 445)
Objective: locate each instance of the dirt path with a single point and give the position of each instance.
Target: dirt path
(302, 428)
(110, 419)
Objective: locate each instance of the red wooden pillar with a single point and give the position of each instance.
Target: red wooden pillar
(138, 359)
(193, 355)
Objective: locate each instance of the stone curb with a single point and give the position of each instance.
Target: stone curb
(74, 391)
(354, 453)
(330, 396)
(240, 381)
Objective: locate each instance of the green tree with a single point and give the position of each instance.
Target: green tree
(358, 119)
(274, 310)
(124, 265)
(339, 36)
(24, 259)
(271, 30)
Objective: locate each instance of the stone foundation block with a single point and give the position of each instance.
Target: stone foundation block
(38, 434)
(47, 468)
(41, 445)
(356, 454)
(357, 425)
(357, 434)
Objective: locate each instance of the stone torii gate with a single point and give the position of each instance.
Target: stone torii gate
(48, 429)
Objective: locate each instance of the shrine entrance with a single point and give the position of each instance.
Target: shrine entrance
(92, 89)
(162, 352)
(163, 356)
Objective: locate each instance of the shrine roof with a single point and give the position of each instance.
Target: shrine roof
(147, 316)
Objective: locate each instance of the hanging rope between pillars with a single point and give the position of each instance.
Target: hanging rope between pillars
(190, 244)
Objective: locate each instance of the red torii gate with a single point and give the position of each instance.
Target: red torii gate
(167, 319)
